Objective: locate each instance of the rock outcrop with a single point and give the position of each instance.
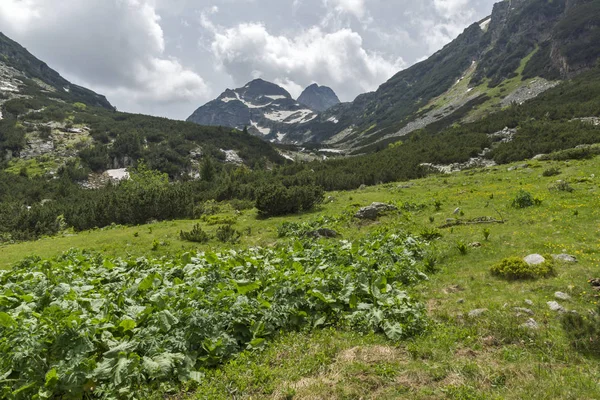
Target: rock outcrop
(318, 98)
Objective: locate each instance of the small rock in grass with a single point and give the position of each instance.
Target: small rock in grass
(373, 211)
(562, 296)
(566, 258)
(528, 302)
(554, 306)
(323, 233)
(475, 244)
(478, 312)
(460, 301)
(530, 324)
(534, 259)
(457, 211)
(523, 310)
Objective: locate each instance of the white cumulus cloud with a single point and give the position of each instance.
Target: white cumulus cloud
(354, 7)
(116, 47)
(337, 59)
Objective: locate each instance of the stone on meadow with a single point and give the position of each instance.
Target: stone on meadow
(566, 258)
(562, 296)
(478, 312)
(554, 306)
(530, 324)
(534, 259)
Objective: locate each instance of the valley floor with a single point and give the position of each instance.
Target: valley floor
(488, 354)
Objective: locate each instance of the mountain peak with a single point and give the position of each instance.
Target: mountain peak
(266, 109)
(259, 87)
(318, 98)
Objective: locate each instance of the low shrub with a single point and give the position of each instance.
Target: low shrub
(515, 268)
(219, 219)
(241, 205)
(430, 234)
(196, 235)
(275, 200)
(227, 234)
(562, 186)
(524, 199)
(462, 248)
(551, 172)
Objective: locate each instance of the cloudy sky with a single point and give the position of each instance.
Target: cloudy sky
(168, 57)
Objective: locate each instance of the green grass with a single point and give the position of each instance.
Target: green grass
(488, 357)
(35, 167)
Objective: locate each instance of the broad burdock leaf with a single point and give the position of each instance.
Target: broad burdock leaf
(6, 320)
(393, 331)
(118, 328)
(244, 286)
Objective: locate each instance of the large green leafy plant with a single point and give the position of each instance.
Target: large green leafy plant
(86, 326)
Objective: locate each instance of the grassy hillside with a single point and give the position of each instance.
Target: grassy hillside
(459, 356)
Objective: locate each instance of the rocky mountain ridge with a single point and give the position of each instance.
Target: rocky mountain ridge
(265, 109)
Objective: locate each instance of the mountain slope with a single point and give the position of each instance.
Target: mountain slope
(21, 72)
(50, 127)
(497, 61)
(266, 109)
(318, 98)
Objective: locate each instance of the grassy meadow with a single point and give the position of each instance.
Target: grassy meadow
(489, 356)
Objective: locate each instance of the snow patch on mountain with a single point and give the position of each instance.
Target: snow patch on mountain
(264, 131)
(277, 97)
(485, 24)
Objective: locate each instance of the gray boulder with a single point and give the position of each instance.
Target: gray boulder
(323, 233)
(554, 306)
(534, 259)
(374, 210)
(566, 258)
(530, 324)
(523, 310)
(562, 296)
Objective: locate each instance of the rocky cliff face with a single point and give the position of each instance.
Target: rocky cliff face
(318, 98)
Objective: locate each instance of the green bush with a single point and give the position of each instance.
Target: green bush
(551, 172)
(219, 219)
(227, 234)
(196, 235)
(514, 268)
(562, 186)
(275, 199)
(462, 248)
(525, 199)
(430, 234)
